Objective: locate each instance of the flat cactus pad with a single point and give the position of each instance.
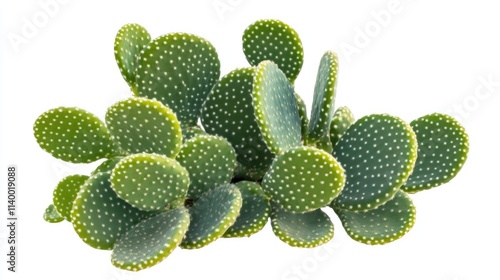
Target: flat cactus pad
(141, 125)
(304, 230)
(65, 193)
(341, 121)
(51, 215)
(149, 181)
(443, 146)
(385, 224)
(378, 153)
(304, 179)
(73, 135)
(151, 241)
(212, 215)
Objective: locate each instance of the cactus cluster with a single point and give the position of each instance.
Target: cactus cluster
(192, 156)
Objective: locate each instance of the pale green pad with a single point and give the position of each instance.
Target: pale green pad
(65, 193)
(141, 125)
(51, 215)
(304, 179)
(149, 181)
(73, 135)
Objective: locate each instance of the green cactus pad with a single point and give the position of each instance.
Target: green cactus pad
(99, 216)
(324, 97)
(276, 108)
(275, 41)
(228, 112)
(142, 125)
(190, 132)
(151, 241)
(65, 193)
(73, 135)
(443, 146)
(107, 165)
(304, 179)
(51, 215)
(210, 162)
(378, 153)
(149, 182)
(179, 70)
(304, 120)
(254, 211)
(212, 215)
(129, 41)
(305, 230)
(385, 224)
(341, 121)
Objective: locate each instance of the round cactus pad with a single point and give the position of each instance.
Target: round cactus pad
(149, 181)
(304, 230)
(179, 70)
(341, 121)
(210, 162)
(129, 41)
(385, 224)
(73, 135)
(51, 215)
(275, 41)
(212, 215)
(378, 153)
(228, 112)
(151, 241)
(324, 97)
(65, 193)
(443, 146)
(304, 179)
(276, 108)
(141, 125)
(254, 211)
(99, 216)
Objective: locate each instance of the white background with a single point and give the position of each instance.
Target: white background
(427, 57)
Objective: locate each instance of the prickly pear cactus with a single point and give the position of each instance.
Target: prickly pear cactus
(191, 158)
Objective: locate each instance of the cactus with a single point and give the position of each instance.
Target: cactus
(191, 158)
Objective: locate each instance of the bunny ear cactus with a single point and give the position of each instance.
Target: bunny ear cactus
(191, 158)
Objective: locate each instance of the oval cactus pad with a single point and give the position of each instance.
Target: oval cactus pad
(324, 97)
(99, 216)
(228, 112)
(304, 230)
(178, 69)
(443, 146)
(385, 224)
(149, 181)
(129, 41)
(276, 108)
(151, 241)
(254, 211)
(341, 121)
(51, 215)
(210, 162)
(73, 135)
(378, 153)
(141, 125)
(274, 40)
(65, 193)
(212, 215)
(304, 179)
